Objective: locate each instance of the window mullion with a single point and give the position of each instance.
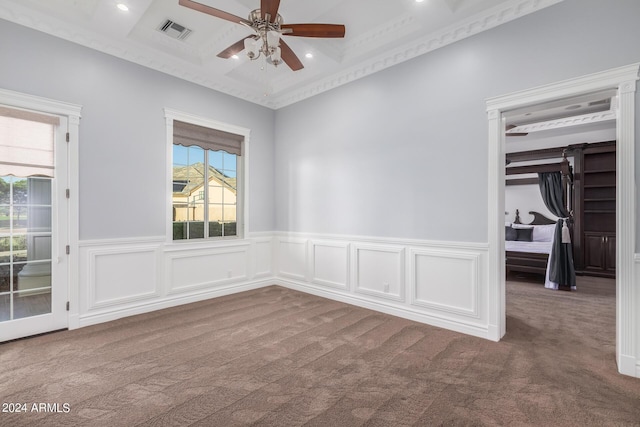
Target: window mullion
(223, 168)
(205, 201)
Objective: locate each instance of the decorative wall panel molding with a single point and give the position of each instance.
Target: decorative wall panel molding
(330, 264)
(445, 280)
(122, 275)
(439, 283)
(262, 249)
(291, 255)
(379, 271)
(191, 270)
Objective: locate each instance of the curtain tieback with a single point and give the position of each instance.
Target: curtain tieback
(566, 236)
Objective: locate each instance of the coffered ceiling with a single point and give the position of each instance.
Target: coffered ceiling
(379, 34)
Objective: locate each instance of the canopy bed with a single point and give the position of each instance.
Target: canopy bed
(540, 246)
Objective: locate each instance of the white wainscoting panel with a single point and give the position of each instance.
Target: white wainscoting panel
(197, 269)
(439, 283)
(262, 257)
(330, 264)
(122, 275)
(445, 280)
(379, 271)
(292, 258)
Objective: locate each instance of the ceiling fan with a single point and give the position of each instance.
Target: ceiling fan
(268, 28)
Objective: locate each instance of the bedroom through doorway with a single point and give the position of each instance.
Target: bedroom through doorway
(544, 140)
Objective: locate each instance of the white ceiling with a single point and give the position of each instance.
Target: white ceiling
(582, 119)
(379, 34)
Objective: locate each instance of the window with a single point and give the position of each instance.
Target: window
(206, 182)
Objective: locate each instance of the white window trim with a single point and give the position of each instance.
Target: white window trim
(242, 225)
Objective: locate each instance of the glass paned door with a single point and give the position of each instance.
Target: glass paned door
(34, 215)
(25, 247)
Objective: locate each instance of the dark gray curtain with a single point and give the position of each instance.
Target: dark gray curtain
(561, 270)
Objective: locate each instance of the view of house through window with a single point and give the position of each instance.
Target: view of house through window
(205, 191)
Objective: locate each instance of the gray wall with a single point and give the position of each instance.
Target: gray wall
(122, 132)
(403, 152)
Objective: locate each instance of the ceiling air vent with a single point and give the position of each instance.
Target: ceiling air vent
(174, 30)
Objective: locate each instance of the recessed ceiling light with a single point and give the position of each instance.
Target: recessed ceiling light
(419, 1)
(123, 7)
(234, 56)
(308, 55)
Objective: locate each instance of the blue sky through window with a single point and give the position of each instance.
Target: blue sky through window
(221, 160)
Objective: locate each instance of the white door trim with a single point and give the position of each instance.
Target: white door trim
(622, 79)
(72, 113)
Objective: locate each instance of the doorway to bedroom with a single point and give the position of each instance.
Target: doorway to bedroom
(573, 138)
(623, 81)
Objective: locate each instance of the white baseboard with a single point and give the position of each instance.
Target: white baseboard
(628, 365)
(388, 308)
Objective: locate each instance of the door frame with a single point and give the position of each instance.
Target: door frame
(71, 113)
(623, 80)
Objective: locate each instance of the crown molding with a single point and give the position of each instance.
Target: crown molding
(133, 51)
(583, 119)
(476, 24)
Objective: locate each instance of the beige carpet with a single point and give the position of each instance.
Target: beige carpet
(278, 357)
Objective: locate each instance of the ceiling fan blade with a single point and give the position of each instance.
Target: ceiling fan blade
(270, 7)
(233, 49)
(314, 30)
(212, 11)
(289, 57)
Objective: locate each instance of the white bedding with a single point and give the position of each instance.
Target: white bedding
(538, 248)
(534, 247)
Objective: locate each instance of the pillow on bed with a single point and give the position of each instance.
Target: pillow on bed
(544, 233)
(524, 234)
(510, 233)
(522, 226)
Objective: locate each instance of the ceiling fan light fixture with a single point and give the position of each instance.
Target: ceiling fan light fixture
(276, 56)
(273, 41)
(251, 46)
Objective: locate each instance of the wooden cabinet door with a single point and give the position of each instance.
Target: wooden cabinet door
(610, 253)
(594, 256)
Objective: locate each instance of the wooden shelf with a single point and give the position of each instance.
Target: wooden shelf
(599, 186)
(598, 171)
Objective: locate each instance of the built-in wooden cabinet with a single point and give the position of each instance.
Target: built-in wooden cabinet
(597, 176)
(600, 254)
